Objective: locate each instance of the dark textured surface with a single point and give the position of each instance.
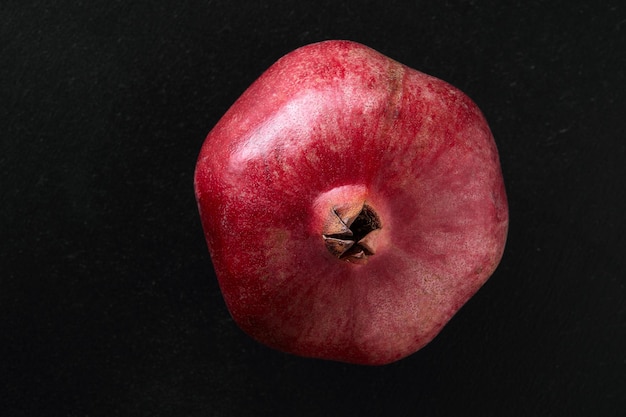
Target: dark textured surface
(108, 305)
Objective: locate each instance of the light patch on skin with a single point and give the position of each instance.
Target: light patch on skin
(276, 249)
(288, 118)
(312, 158)
(295, 122)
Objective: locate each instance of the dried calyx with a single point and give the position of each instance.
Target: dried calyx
(350, 233)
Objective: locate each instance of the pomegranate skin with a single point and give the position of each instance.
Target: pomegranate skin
(351, 205)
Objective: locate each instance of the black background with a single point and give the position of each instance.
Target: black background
(108, 302)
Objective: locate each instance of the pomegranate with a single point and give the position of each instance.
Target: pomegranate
(351, 205)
